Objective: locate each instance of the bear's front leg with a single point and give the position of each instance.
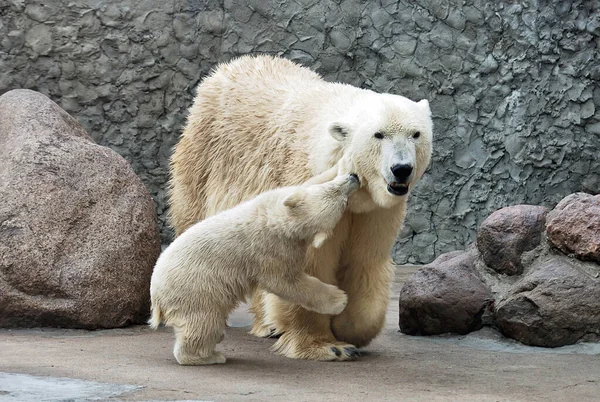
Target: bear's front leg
(364, 316)
(366, 274)
(307, 334)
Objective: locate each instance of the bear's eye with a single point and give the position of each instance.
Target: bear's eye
(416, 135)
(378, 135)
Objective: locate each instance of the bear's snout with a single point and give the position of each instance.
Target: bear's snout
(402, 171)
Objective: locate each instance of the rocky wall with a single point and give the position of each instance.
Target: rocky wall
(513, 85)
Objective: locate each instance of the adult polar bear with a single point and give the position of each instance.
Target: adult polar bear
(261, 122)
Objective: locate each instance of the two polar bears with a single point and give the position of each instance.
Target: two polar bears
(263, 122)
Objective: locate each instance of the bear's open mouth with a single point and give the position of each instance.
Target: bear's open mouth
(397, 188)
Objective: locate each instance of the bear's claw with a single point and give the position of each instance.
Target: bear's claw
(263, 331)
(352, 352)
(345, 352)
(274, 334)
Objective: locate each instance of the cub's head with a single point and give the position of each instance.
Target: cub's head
(389, 140)
(314, 210)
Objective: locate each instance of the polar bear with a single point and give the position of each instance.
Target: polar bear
(203, 275)
(260, 122)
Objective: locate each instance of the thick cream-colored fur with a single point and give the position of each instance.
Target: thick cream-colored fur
(202, 276)
(259, 123)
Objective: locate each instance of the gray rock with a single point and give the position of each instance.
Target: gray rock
(39, 38)
(441, 36)
(404, 46)
(444, 296)
(507, 233)
(489, 65)
(574, 226)
(39, 12)
(558, 304)
(78, 231)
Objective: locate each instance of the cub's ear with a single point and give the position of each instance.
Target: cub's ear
(293, 200)
(339, 131)
(319, 239)
(424, 105)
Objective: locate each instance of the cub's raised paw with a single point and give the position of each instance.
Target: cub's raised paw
(335, 303)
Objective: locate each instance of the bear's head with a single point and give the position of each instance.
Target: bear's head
(314, 210)
(388, 138)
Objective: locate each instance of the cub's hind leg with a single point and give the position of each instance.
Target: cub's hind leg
(196, 339)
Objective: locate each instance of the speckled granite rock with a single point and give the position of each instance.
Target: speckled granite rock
(574, 226)
(557, 304)
(444, 296)
(78, 230)
(507, 233)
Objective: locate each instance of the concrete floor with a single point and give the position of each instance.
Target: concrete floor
(136, 364)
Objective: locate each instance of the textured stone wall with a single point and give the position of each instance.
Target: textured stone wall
(513, 85)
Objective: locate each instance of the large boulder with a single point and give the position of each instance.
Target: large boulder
(507, 233)
(444, 296)
(574, 226)
(557, 304)
(78, 230)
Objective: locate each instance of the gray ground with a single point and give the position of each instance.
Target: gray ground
(136, 364)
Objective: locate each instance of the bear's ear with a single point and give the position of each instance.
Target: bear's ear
(338, 131)
(424, 105)
(293, 200)
(319, 239)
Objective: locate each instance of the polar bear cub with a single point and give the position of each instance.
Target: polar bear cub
(203, 275)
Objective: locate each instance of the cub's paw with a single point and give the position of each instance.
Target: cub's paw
(192, 360)
(335, 301)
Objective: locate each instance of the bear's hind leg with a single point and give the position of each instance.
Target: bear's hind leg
(195, 341)
(261, 326)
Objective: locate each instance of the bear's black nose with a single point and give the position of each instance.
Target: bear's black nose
(355, 176)
(401, 171)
